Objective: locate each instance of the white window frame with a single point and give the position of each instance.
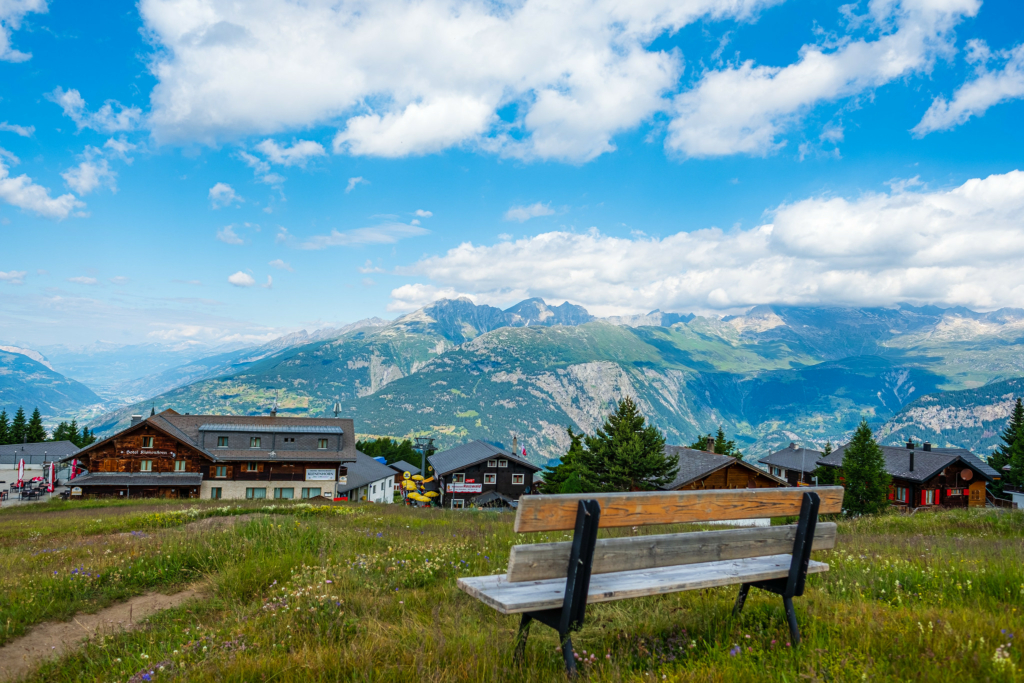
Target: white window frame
(222, 442)
(145, 466)
(492, 463)
(321, 444)
(503, 463)
(255, 441)
(519, 480)
(147, 442)
(458, 503)
(490, 478)
(179, 465)
(459, 478)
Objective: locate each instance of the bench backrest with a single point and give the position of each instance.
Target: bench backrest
(559, 512)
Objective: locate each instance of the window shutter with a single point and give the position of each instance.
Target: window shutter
(259, 467)
(892, 496)
(229, 471)
(936, 496)
(924, 497)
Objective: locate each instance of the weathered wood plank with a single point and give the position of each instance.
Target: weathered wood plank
(558, 512)
(528, 596)
(540, 561)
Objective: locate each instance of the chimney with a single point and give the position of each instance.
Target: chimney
(515, 445)
(792, 445)
(911, 461)
(136, 419)
(927, 446)
(273, 411)
(910, 445)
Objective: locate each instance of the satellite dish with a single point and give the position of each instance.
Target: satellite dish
(967, 474)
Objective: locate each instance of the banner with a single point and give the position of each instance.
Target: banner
(465, 488)
(321, 475)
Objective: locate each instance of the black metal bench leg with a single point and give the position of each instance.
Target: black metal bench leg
(568, 656)
(794, 628)
(740, 599)
(524, 633)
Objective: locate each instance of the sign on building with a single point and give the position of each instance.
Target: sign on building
(320, 475)
(465, 488)
(76, 491)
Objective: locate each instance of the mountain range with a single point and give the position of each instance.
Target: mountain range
(456, 371)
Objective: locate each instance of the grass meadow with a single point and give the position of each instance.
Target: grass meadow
(343, 592)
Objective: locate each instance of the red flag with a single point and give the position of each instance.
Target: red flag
(524, 451)
(53, 475)
(74, 469)
(21, 473)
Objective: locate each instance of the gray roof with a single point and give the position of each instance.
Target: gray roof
(138, 479)
(365, 470)
(470, 454)
(926, 463)
(694, 464)
(36, 453)
(402, 466)
(797, 459)
(271, 429)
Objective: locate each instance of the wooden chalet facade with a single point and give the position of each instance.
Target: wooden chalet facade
(169, 455)
(931, 477)
(701, 470)
(479, 474)
(795, 465)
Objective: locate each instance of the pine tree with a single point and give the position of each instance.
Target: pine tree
(86, 438)
(1002, 456)
(827, 476)
(565, 474)
(5, 429)
(717, 444)
(626, 454)
(703, 443)
(36, 431)
(866, 481)
(19, 427)
(391, 450)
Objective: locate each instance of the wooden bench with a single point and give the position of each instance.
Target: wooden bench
(553, 582)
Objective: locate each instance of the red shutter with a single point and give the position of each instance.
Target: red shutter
(892, 496)
(923, 498)
(937, 496)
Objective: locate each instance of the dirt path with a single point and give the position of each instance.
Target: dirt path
(20, 656)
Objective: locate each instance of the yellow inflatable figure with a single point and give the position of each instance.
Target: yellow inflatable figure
(414, 489)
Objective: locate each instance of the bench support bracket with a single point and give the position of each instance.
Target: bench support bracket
(793, 585)
(577, 587)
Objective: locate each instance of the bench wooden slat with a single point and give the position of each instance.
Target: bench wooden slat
(529, 596)
(550, 560)
(558, 512)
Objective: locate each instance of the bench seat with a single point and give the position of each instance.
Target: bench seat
(531, 596)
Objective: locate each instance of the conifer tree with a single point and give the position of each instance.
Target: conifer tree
(1003, 455)
(19, 427)
(36, 431)
(87, 438)
(717, 444)
(564, 477)
(865, 478)
(5, 429)
(626, 454)
(827, 476)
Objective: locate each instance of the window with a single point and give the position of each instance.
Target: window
(310, 493)
(222, 442)
(374, 489)
(901, 494)
(179, 465)
(147, 442)
(221, 471)
(286, 494)
(459, 478)
(251, 467)
(492, 463)
(928, 497)
(321, 444)
(216, 492)
(490, 478)
(256, 493)
(254, 442)
(458, 503)
(289, 439)
(146, 466)
(503, 463)
(519, 479)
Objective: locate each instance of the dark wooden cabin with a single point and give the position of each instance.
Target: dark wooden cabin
(701, 470)
(478, 473)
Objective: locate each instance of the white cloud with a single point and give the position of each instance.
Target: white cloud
(368, 267)
(93, 171)
(525, 213)
(23, 131)
(119, 280)
(83, 280)
(744, 109)
(13, 277)
(121, 147)
(11, 14)
(23, 193)
(300, 152)
(222, 195)
(269, 284)
(352, 182)
(411, 297)
(973, 98)
(423, 213)
(407, 78)
(227, 235)
(388, 233)
(959, 246)
(110, 118)
(241, 279)
(281, 265)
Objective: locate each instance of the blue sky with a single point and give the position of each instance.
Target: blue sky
(177, 170)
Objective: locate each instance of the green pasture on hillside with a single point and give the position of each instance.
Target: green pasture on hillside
(303, 592)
